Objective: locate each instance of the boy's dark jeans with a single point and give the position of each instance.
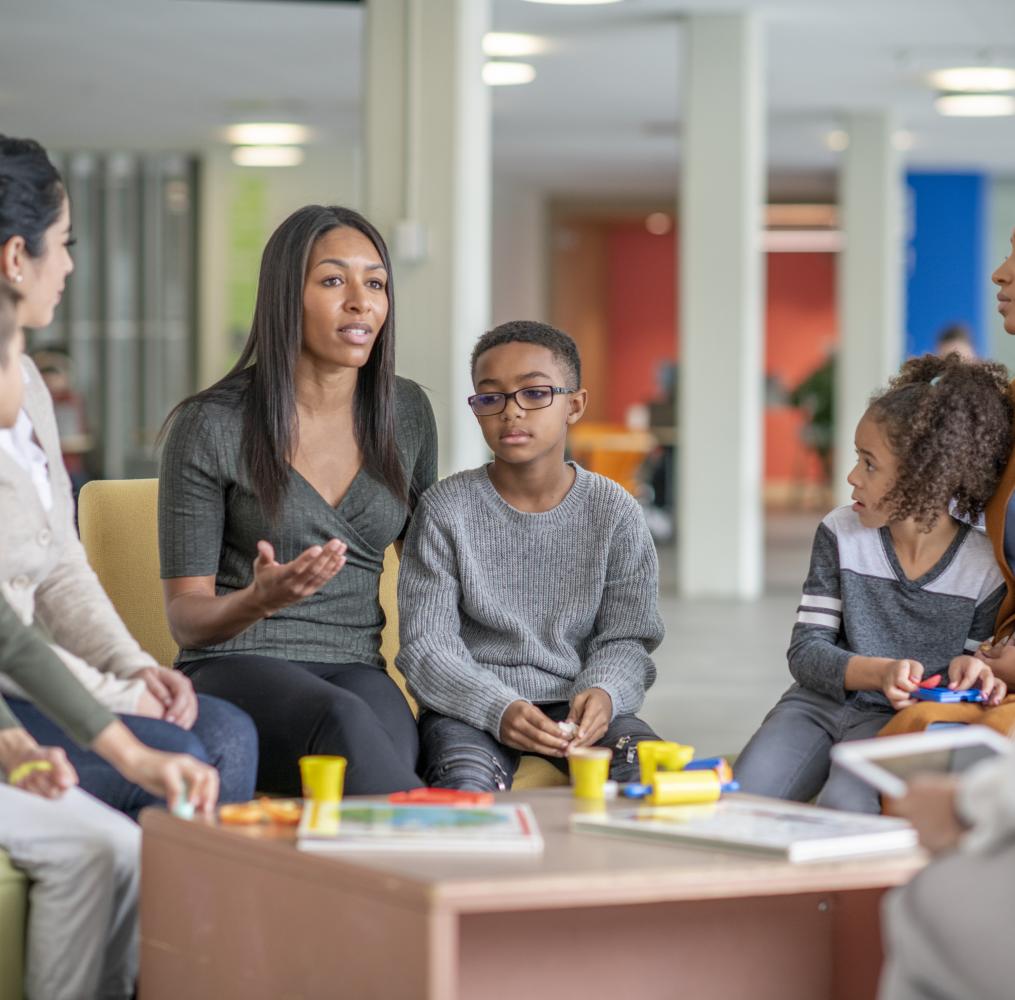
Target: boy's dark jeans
(457, 755)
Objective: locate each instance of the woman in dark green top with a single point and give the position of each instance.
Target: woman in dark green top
(281, 487)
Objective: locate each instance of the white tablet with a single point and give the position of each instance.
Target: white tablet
(888, 762)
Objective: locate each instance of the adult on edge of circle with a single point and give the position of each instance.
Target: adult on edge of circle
(281, 487)
(946, 932)
(44, 573)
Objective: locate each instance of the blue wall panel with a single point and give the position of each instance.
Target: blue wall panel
(945, 259)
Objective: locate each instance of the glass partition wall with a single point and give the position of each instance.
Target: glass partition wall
(122, 344)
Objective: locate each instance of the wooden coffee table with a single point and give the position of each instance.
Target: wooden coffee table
(233, 912)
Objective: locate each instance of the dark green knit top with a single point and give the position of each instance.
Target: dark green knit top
(26, 659)
(210, 522)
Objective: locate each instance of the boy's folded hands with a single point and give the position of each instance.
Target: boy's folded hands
(524, 726)
(527, 727)
(591, 711)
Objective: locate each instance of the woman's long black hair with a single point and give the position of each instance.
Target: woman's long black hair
(263, 377)
(31, 193)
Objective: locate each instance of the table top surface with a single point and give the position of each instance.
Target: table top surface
(574, 869)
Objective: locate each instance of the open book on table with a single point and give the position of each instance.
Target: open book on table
(769, 826)
(382, 826)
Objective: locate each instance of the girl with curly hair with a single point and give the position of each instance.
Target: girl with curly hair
(900, 587)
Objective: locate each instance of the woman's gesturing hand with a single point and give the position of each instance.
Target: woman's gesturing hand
(277, 585)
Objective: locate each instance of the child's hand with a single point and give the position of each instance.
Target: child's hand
(591, 711)
(965, 671)
(523, 726)
(899, 680)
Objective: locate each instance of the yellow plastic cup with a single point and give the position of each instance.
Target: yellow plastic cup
(323, 777)
(590, 767)
(661, 755)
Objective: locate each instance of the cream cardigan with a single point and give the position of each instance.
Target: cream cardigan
(45, 575)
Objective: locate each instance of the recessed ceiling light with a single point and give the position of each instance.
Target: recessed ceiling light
(975, 105)
(837, 140)
(658, 223)
(575, 3)
(267, 156)
(267, 134)
(903, 139)
(508, 74)
(504, 43)
(973, 78)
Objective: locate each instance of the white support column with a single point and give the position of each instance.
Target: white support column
(870, 278)
(426, 178)
(720, 378)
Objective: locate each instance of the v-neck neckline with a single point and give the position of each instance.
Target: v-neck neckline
(931, 574)
(334, 508)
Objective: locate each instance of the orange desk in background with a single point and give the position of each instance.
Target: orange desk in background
(611, 450)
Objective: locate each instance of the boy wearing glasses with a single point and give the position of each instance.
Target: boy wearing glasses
(528, 586)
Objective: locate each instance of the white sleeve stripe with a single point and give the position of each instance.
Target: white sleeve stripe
(813, 601)
(972, 645)
(815, 618)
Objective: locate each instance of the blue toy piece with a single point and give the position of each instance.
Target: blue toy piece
(946, 696)
(635, 791)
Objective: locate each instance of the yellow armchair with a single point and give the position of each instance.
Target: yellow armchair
(118, 520)
(13, 914)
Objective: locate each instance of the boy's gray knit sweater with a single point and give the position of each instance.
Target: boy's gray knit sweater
(498, 605)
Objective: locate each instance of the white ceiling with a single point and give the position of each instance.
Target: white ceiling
(601, 117)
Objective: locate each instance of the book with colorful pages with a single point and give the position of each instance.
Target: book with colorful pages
(788, 830)
(382, 826)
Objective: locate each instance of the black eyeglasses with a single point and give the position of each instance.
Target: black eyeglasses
(532, 397)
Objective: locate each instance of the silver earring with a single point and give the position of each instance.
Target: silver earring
(18, 278)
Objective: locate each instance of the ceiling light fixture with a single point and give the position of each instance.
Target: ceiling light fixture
(903, 140)
(575, 3)
(978, 79)
(267, 156)
(507, 74)
(510, 45)
(837, 140)
(267, 134)
(659, 223)
(975, 105)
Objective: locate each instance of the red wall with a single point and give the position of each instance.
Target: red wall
(800, 329)
(641, 307)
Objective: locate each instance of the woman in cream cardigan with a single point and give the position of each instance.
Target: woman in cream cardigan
(82, 858)
(44, 574)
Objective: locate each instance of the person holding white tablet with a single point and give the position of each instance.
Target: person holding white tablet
(947, 933)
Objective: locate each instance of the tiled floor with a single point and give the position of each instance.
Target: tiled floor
(723, 663)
